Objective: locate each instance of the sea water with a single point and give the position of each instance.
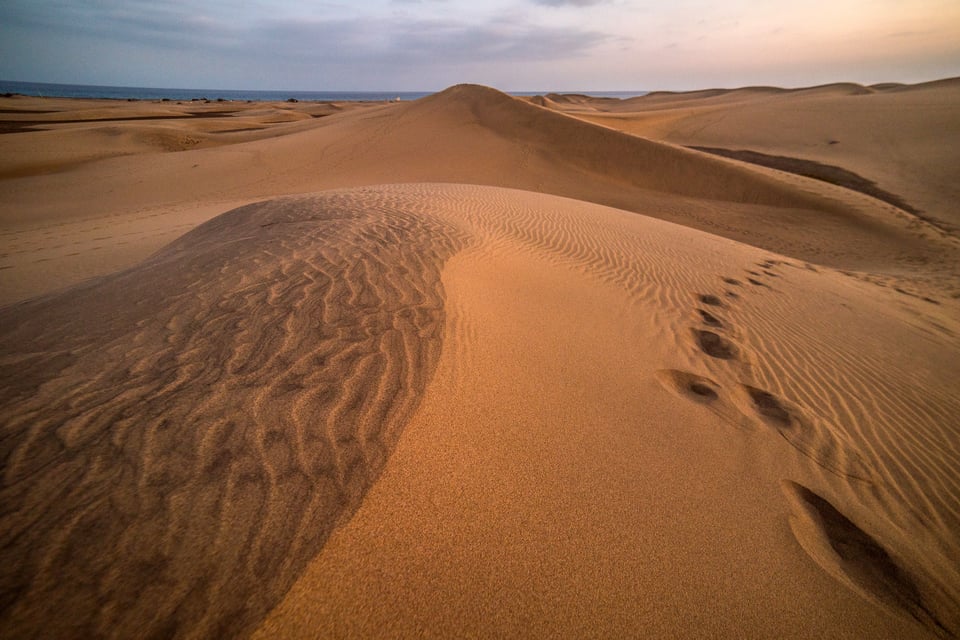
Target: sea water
(43, 89)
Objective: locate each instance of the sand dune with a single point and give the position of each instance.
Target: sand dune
(66, 133)
(463, 388)
(903, 137)
(182, 437)
(466, 134)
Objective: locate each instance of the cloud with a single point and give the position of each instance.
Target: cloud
(910, 34)
(189, 44)
(427, 42)
(135, 21)
(569, 3)
(217, 24)
(214, 26)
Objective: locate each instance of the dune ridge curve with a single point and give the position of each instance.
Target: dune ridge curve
(180, 438)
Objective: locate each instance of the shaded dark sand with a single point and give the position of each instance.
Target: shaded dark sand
(857, 558)
(181, 438)
(819, 171)
(19, 126)
(896, 136)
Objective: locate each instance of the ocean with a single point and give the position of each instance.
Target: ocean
(150, 93)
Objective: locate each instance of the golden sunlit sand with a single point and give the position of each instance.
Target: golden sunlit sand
(478, 365)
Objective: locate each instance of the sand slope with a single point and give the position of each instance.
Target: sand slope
(211, 416)
(180, 439)
(578, 410)
(463, 388)
(905, 138)
(466, 134)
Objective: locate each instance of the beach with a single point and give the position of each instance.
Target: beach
(475, 365)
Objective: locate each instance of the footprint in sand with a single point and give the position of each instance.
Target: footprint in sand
(811, 436)
(854, 557)
(769, 407)
(715, 345)
(747, 407)
(733, 282)
(709, 342)
(706, 392)
(807, 433)
(710, 319)
(710, 299)
(689, 385)
(834, 541)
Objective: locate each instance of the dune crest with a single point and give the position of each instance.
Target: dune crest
(549, 282)
(215, 415)
(613, 155)
(891, 135)
(466, 134)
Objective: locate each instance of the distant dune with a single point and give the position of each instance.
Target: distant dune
(463, 135)
(480, 366)
(902, 137)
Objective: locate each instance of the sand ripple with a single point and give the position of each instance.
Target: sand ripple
(179, 439)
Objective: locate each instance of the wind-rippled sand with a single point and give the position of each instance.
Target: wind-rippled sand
(431, 401)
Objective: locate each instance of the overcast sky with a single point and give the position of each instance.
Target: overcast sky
(514, 45)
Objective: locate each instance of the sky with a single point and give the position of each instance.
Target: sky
(513, 45)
